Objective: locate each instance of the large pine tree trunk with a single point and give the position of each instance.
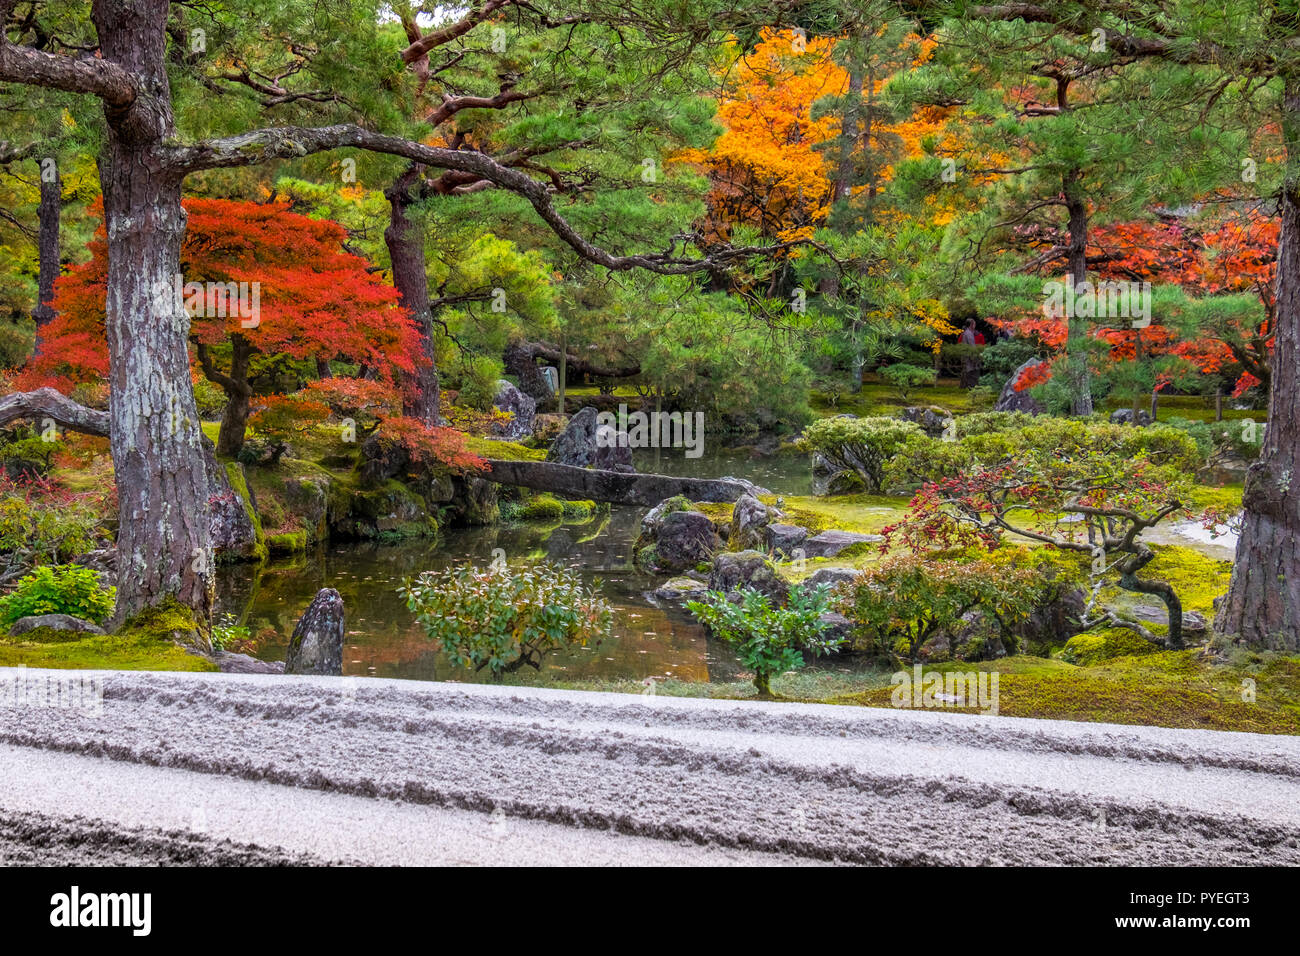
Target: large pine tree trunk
(405, 241)
(1263, 602)
(47, 241)
(1076, 351)
(162, 481)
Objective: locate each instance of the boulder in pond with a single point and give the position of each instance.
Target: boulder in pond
(316, 646)
(736, 570)
(676, 541)
(681, 588)
(585, 443)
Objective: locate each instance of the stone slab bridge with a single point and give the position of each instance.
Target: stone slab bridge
(615, 487)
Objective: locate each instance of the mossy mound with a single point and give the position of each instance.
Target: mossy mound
(152, 640)
(541, 508)
(503, 450)
(1094, 647)
(287, 542)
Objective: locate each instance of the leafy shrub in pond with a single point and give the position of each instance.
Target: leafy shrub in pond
(860, 446)
(899, 605)
(506, 618)
(768, 639)
(59, 589)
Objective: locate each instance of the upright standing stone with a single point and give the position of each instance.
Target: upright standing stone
(317, 643)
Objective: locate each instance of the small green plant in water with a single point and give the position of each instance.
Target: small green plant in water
(768, 639)
(229, 634)
(506, 618)
(59, 589)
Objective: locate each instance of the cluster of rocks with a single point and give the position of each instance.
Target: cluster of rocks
(731, 555)
(676, 537)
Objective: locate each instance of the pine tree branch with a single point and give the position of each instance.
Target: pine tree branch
(47, 403)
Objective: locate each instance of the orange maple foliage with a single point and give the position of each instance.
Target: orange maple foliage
(764, 168)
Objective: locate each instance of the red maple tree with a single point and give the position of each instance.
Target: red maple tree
(314, 301)
(1226, 255)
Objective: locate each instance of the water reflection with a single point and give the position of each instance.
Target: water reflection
(650, 637)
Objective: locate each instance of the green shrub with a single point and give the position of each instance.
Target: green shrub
(28, 452)
(506, 618)
(210, 398)
(768, 639)
(905, 377)
(899, 605)
(982, 423)
(989, 439)
(59, 589)
(16, 341)
(861, 446)
(1229, 439)
(36, 530)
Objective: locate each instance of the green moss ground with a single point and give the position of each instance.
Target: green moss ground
(1181, 689)
(144, 643)
(503, 450)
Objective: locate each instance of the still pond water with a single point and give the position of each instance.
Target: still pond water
(650, 637)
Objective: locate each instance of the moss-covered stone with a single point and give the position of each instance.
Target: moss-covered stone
(287, 542)
(579, 510)
(390, 511)
(1094, 647)
(256, 550)
(541, 508)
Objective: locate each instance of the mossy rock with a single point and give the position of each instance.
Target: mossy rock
(579, 510)
(646, 558)
(256, 549)
(391, 511)
(1093, 647)
(287, 542)
(541, 508)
